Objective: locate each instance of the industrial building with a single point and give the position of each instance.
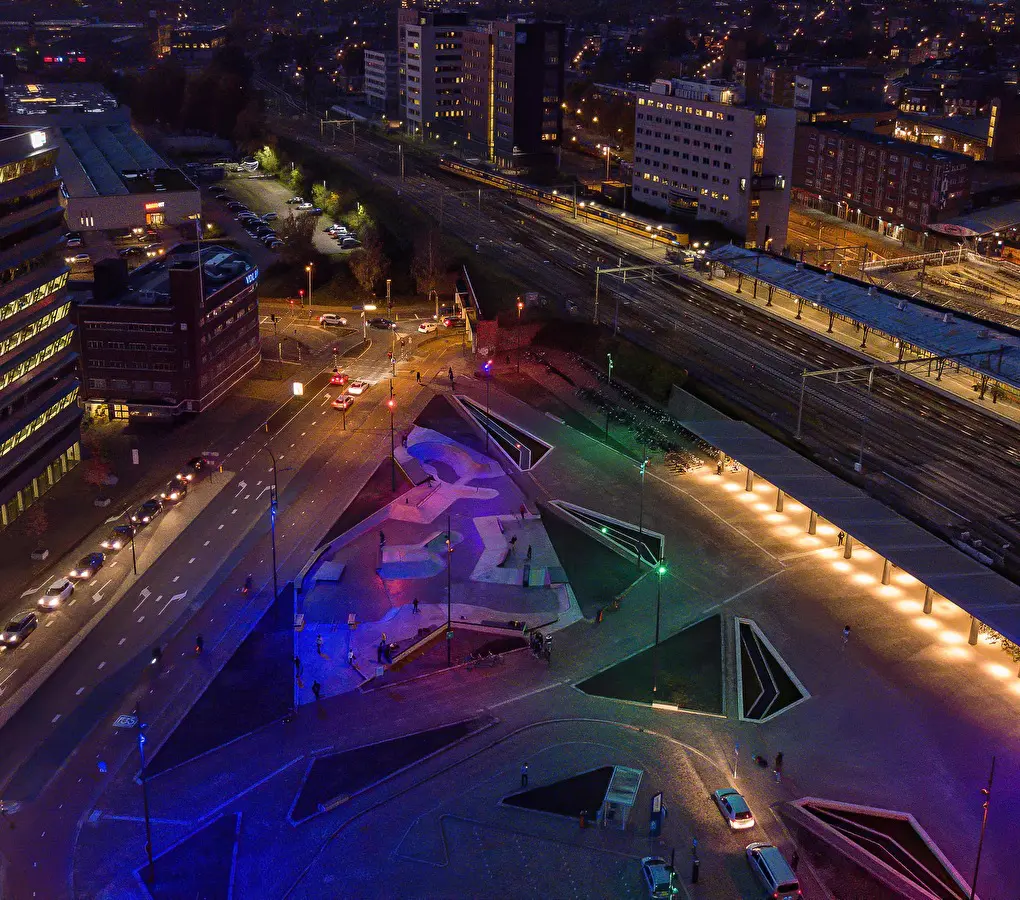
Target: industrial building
(39, 411)
(173, 336)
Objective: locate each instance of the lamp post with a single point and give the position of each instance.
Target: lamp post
(449, 587)
(987, 794)
(641, 510)
(145, 796)
(609, 356)
(607, 161)
(520, 309)
(391, 403)
(308, 270)
(134, 559)
(660, 570)
(487, 369)
(274, 496)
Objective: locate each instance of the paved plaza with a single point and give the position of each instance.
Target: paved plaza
(903, 714)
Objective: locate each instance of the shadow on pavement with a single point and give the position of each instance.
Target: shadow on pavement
(202, 865)
(569, 797)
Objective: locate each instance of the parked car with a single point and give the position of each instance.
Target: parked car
(88, 566)
(660, 879)
(734, 808)
(269, 216)
(295, 200)
(427, 327)
(773, 871)
(311, 210)
(128, 252)
(303, 204)
(453, 321)
(175, 491)
(358, 387)
(382, 323)
(19, 628)
(275, 245)
(73, 239)
(56, 593)
(193, 466)
(344, 401)
(332, 319)
(349, 243)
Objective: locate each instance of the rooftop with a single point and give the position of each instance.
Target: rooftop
(891, 143)
(975, 128)
(149, 285)
(919, 324)
(19, 142)
(47, 99)
(107, 159)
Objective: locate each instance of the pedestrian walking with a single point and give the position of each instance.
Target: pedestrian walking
(318, 644)
(523, 511)
(846, 634)
(840, 538)
(297, 666)
(350, 657)
(513, 543)
(795, 860)
(414, 607)
(379, 651)
(524, 775)
(777, 767)
(450, 373)
(529, 552)
(417, 377)
(316, 689)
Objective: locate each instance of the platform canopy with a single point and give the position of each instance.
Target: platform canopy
(975, 588)
(981, 222)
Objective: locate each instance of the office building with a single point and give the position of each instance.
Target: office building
(39, 412)
(434, 73)
(173, 336)
(190, 45)
(1003, 142)
(700, 151)
(512, 93)
(382, 89)
(879, 181)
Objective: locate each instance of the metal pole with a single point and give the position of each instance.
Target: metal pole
(274, 495)
(655, 649)
(641, 510)
(598, 273)
(134, 559)
(575, 199)
(145, 797)
(488, 380)
(987, 793)
(800, 406)
(449, 586)
(393, 446)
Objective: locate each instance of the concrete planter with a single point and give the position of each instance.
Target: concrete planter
(102, 502)
(40, 554)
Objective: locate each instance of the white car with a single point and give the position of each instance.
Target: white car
(734, 808)
(427, 327)
(305, 205)
(332, 319)
(357, 387)
(344, 401)
(56, 593)
(659, 877)
(77, 258)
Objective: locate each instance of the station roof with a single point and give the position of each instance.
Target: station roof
(929, 327)
(975, 588)
(982, 221)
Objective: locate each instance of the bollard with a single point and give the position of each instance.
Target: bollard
(927, 600)
(812, 527)
(749, 481)
(780, 497)
(848, 547)
(973, 639)
(584, 818)
(886, 572)
(695, 865)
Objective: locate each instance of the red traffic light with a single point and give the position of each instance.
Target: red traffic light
(391, 403)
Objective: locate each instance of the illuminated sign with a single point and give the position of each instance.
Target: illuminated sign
(38, 139)
(155, 204)
(251, 277)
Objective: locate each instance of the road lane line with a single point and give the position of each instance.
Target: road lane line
(120, 643)
(247, 496)
(53, 721)
(49, 622)
(141, 619)
(79, 692)
(207, 543)
(2, 683)
(176, 578)
(190, 561)
(101, 666)
(220, 528)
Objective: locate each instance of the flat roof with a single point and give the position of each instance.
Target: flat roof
(973, 587)
(965, 125)
(982, 221)
(109, 159)
(932, 328)
(41, 99)
(883, 140)
(149, 285)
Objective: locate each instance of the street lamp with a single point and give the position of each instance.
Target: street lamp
(487, 369)
(151, 879)
(520, 309)
(449, 587)
(609, 357)
(308, 270)
(274, 496)
(391, 403)
(987, 794)
(641, 510)
(607, 162)
(660, 570)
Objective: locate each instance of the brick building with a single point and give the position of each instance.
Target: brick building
(879, 181)
(173, 336)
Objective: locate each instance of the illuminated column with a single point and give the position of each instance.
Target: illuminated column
(886, 571)
(848, 547)
(780, 496)
(972, 640)
(928, 596)
(749, 481)
(812, 527)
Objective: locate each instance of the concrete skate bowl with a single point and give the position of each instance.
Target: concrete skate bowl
(866, 852)
(451, 463)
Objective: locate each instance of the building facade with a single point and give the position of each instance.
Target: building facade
(39, 411)
(884, 181)
(1003, 141)
(512, 93)
(173, 336)
(433, 60)
(699, 151)
(382, 89)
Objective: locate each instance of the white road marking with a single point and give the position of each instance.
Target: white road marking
(268, 487)
(241, 488)
(120, 643)
(141, 619)
(145, 592)
(101, 666)
(176, 578)
(79, 692)
(49, 622)
(53, 721)
(257, 483)
(2, 683)
(190, 561)
(165, 605)
(207, 543)
(41, 586)
(220, 528)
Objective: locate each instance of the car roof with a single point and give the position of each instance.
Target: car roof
(22, 618)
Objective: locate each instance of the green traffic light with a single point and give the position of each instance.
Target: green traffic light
(661, 570)
(605, 530)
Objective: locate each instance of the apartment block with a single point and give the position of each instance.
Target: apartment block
(699, 151)
(881, 180)
(433, 54)
(382, 88)
(39, 412)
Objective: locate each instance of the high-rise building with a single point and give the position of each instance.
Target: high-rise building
(1004, 129)
(512, 92)
(699, 150)
(434, 73)
(39, 412)
(381, 85)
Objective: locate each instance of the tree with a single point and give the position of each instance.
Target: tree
(428, 264)
(294, 179)
(97, 468)
(268, 160)
(369, 264)
(35, 522)
(298, 236)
